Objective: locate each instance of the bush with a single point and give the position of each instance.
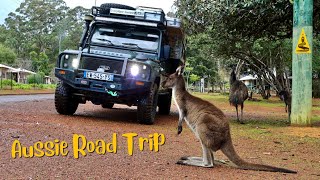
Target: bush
(34, 86)
(23, 86)
(7, 82)
(35, 79)
(47, 86)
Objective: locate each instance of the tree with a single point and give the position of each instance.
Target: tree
(201, 58)
(73, 27)
(7, 55)
(3, 33)
(40, 63)
(44, 27)
(194, 78)
(32, 26)
(256, 32)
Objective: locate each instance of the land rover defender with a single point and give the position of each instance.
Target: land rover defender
(122, 55)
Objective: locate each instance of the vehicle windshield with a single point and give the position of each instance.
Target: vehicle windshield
(127, 36)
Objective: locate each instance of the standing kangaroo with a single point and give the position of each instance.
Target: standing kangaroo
(209, 125)
(286, 97)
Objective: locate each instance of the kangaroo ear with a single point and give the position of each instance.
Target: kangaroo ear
(180, 69)
(166, 75)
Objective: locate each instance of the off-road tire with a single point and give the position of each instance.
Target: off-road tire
(164, 103)
(147, 106)
(107, 105)
(63, 100)
(105, 8)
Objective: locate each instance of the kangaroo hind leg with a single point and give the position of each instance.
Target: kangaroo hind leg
(194, 158)
(205, 161)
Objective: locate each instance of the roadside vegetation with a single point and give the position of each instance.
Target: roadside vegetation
(33, 35)
(254, 36)
(7, 84)
(271, 111)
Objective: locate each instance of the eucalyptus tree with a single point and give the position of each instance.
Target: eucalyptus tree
(257, 32)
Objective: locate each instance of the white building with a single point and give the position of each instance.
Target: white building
(19, 75)
(249, 80)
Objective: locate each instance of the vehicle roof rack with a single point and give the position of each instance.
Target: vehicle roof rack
(150, 8)
(140, 14)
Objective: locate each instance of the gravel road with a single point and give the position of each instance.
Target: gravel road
(21, 98)
(32, 121)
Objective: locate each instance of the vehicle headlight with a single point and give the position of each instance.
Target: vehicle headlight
(69, 61)
(75, 63)
(138, 71)
(134, 70)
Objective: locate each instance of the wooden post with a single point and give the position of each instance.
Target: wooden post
(302, 63)
(1, 80)
(11, 80)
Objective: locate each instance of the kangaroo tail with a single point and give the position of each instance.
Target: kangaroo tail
(229, 151)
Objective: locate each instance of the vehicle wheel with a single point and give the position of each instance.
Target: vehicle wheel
(164, 103)
(107, 105)
(147, 107)
(105, 8)
(63, 100)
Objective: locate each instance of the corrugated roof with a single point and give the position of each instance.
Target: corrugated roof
(16, 69)
(8, 67)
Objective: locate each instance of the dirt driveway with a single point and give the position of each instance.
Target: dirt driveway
(30, 122)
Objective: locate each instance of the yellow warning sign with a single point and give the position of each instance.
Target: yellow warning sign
(303, 45)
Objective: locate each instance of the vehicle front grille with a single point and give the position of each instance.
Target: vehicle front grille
(109, 65)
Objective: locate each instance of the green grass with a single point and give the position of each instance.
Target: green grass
(29, 86)
(273, 102)
(215, 97)
(267, 130)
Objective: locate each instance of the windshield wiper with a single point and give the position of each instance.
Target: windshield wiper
(106, 40)
(132, 44)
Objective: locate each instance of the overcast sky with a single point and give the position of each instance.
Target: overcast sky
(8, 6)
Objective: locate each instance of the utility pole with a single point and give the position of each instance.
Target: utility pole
(302, 63)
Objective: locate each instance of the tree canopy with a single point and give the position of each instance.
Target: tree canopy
(42, 27)
(7, 55)
(257, 32)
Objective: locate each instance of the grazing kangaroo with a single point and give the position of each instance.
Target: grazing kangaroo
(209, 125)
(238, 94)
(286, 97)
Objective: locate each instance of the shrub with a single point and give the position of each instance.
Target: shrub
(7, 82)
(23, 86)
(35, 79)
(49, 86)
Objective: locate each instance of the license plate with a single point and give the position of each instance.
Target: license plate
(98, 76)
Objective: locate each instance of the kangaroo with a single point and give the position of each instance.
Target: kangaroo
(286, 97)
(209, 125)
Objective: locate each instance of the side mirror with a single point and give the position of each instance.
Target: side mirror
(166, 52)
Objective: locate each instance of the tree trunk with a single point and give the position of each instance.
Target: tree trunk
(238, 68)
(262, 89)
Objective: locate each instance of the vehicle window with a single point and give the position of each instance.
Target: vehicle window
(131, 37)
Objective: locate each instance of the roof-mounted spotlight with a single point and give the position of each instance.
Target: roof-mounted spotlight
(94, 11)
